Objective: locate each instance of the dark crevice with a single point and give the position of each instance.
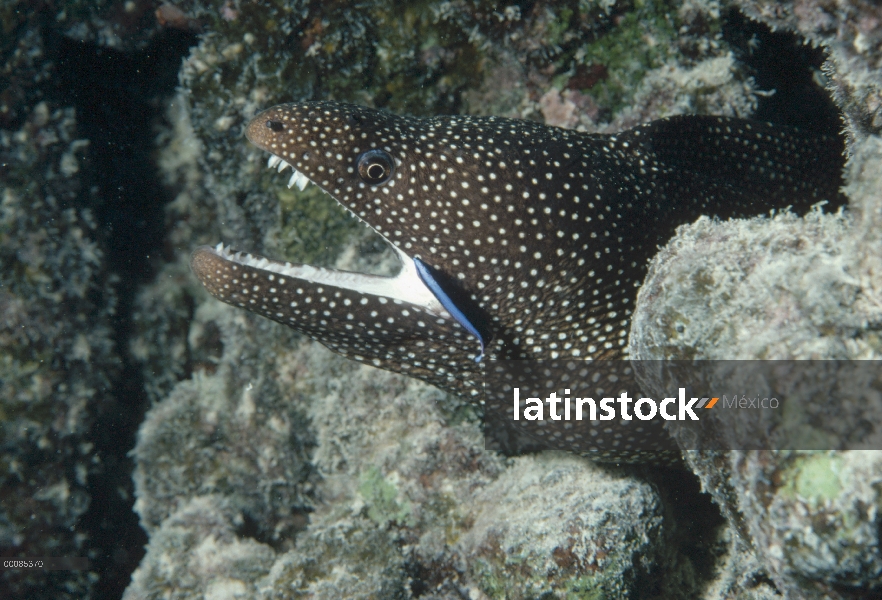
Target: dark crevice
(781, 62)
(693, 520)
(119, 99)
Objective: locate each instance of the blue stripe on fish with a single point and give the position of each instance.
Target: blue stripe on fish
(425, 273)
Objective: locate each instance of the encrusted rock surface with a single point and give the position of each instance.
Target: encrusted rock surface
(784, 287)
(57, 356)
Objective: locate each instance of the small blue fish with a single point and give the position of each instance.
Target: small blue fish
(432, 281)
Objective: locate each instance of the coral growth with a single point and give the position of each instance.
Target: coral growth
(57, 357)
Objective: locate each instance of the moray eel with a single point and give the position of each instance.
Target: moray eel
(516, 240)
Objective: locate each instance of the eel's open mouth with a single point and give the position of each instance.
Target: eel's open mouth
(405, 285)
(289, 292)
(416, 283)
(208, 263)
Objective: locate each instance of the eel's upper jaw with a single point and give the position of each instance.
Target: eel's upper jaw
(261, 133)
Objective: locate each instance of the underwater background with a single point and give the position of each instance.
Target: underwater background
(192, 450)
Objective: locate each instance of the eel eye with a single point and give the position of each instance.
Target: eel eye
(375, 166)
(275, 126)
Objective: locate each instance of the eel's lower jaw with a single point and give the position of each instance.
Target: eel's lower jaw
(217, 268)
(297, 178)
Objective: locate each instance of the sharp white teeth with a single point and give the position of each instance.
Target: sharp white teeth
(301, 183)
(298, 179)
